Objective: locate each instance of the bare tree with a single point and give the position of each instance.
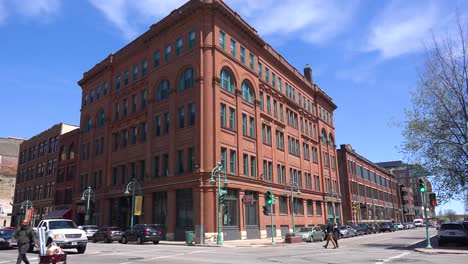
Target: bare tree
(435, 131)
(451, 215)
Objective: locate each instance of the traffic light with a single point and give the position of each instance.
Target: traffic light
(269, 197)
(422, 186)
(222, 196)
(432, 199)
(266, 210)
(225, 210)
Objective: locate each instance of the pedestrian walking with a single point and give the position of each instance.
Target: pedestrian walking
(24, 236)
(336, 235)
(330, 228)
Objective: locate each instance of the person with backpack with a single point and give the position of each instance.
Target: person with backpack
(330, 228)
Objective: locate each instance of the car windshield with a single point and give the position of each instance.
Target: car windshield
(343, 227)
(6, 232)
(305, 229)
(451, 227)
(61, 224)
(114, 229)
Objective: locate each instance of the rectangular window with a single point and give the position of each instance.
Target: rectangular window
(167, 53)
(180, 162)
(253, 167)
(252, 61)
(165, 165)
(156, 58)
(233, 161)
(143, 99)
(157, 125)
(166, 123)
(117, 82)
(244, 124)
(181, 115)
(232, 118)
(133, 132)
(125, 107)
(222, 40)
(281, 112)
(262, 103)
(246, 164)
(260, 70)
(318, 207)
(144, 67)
(114, 176)
(190, 159)
(273, 80)
(268, 105)
(223, 115)
(135, 72)
(179, 44)
(142, 169)
(275, 110)
(267, 75)
(124, 138)
(233, 48)
(242, 55)
(115, 136)
(123, 176)
(134, 103)
(191, 108)
(252, 127)
(191, 39)
(224, 158)
(126, 74)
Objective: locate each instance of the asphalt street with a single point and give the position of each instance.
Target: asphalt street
(398, 247)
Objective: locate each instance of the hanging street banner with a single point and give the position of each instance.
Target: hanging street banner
(138, 202)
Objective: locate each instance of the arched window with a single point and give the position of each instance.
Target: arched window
(227, 81)
(324, 136)
(63, 153)
(162, 92)
(101, 118)
(247, 92)
(331, 141)
(72, 151)
(186, 79)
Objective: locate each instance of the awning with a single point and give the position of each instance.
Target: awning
(61, 213)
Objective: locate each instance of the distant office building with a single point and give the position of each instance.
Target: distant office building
(370, 192)
(198, 88)
(408, 176)
(9, 149)
(36, 174)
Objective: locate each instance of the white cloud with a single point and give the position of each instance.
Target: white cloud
(131, 17)
(311, 21)
(37, 8)
(403, 27)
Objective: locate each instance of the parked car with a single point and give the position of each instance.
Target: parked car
(108, 234)
(386, 226)
(359, 230)
(6, 238)
(142, 233)
(375, 228)
(347, 231)
(400, 226)
(310, 234)
(89, 229)
(366, 228)
(451, 232)
(418, 222)
(324, 230)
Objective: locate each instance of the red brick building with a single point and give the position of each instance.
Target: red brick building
(370, 192)
(37, 171)
(197, 88)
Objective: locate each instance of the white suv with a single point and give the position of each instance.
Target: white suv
(451, 232)
(64, 233)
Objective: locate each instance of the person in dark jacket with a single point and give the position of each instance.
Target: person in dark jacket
(336, 235)
(24, 235)
(330, 235)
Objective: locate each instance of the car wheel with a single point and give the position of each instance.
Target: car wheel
(139, 240)
(124, 240)
(94, 239)
(81, 249)
(155, 242)
(107, 240)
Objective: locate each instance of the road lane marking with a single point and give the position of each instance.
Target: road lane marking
(181, 254)
(392, 258)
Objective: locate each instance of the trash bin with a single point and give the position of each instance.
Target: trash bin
(189, 237)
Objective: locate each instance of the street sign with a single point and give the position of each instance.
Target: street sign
(248, 199)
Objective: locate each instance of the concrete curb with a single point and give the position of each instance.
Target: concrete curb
(440, 251)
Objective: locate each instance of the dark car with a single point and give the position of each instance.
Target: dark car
(366, 229)
(359, 230)
(387, 226)
(108, 234)
(451, 232)
(142, 233)
(6, 238)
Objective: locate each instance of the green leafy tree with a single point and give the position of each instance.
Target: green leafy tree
(435, 130)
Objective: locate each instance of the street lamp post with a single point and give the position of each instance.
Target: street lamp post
(131, 186)
(292, 185)
(26, 205)
(87, 193)
(217, 171)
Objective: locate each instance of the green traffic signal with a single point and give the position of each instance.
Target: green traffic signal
(269, 197)
(422, 186)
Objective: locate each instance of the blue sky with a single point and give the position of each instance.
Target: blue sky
(364, 54)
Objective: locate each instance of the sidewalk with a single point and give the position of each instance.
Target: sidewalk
(436, 249)
(234, 243)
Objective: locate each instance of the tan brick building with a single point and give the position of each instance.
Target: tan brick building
(370, 192)
(37, 170)
(197, 88)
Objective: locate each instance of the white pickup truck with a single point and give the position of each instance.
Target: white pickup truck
(64, 233)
